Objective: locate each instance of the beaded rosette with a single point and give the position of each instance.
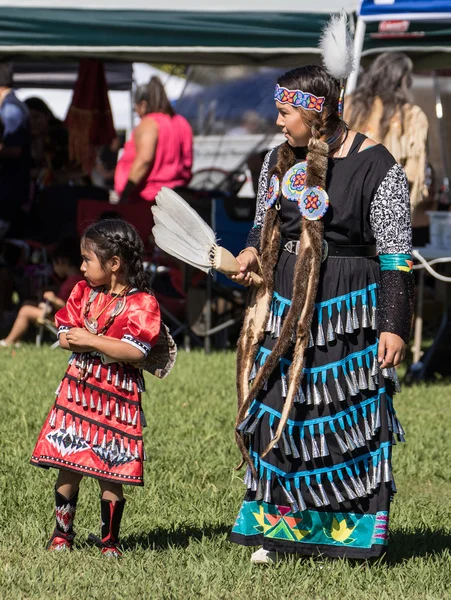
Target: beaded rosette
(273, 192)
(293, 182)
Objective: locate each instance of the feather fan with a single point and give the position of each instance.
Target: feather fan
(337, 47)
(182, 233)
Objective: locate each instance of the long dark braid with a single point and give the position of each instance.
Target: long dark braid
(115, 237)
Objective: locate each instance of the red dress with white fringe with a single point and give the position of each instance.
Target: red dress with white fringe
(95, 425)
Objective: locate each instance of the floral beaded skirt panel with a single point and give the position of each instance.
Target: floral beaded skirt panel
(325, 487)
(95, 425)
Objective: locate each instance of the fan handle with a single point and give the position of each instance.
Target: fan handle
(224, 262)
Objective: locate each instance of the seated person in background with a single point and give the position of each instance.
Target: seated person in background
(66, 265)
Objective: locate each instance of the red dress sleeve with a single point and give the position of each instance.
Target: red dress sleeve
(143, 322)
(71, 315)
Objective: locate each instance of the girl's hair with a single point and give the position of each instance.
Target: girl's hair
(389, 78)
(115, 237)
(315, 80)
(155, 95)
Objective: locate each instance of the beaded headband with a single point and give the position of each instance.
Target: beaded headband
(298, 98)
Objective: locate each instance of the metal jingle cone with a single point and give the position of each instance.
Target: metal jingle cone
(355, 318)
(88, 434)
(286, 445)
(95, 441)
(259, 492)
(90, 367)
(326, 394)
(117, 412)
(311, 342)
(103, 445)
(363, 384)
(301, 502)
(349, 441)
(371, 384)
(124, 413)
(351, 495)
(349, 328)
(325, 500)
(373, 318)
(320, 339)
(339, 329)
(283, 380)
(294, 448)
(69, 392)
(116, 379)
(324, 449)
(304, 450)
(355, 383)
(129, 416)
(316, 500)
(98, 372)
(316, 395)
(330, 332)
(308, 395)
(92, 403)
(52, 421)
(135, 418)
(315, 449)
(340, 393)
(108, 376)
(99, 404)
(77, 395)
(267, 494)
(365, 317)
(84, 402)
(341, 444)
(291, 500)
(338, 496)
(107, 407)
(80, 430)
(63, 423)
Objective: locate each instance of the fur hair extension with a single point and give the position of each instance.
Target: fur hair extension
(337, 47)
(306, 273)
(255, 319)
(306, 280)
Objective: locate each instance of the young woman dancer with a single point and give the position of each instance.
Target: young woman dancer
(321, 338)
(110, 323)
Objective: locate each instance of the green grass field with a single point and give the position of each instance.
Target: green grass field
(175, 529)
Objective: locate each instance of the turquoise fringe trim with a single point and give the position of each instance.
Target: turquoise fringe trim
(384, 449)
(346, 308)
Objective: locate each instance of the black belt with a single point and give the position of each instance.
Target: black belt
(334, 250)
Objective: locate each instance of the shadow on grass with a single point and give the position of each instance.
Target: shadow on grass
(177, 537)
(405, 544)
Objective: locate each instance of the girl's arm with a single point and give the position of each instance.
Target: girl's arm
(80, 340)
(248, 258)
(390, 222)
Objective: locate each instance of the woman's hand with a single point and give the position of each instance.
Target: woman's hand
(248, 262)
(50, 296)
(391, 350)
(80, 337)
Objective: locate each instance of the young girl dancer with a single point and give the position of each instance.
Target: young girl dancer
(323, 334)
(110, 323)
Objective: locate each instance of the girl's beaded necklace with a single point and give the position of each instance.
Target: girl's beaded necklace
(92, 323)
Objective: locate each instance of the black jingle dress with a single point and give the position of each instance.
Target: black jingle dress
(325, 488)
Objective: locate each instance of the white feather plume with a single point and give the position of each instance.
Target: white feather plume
(337, 47)
(181, 232)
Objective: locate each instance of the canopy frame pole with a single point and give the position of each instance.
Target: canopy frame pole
(359, 39)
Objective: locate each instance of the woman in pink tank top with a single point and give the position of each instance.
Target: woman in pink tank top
(160, 150)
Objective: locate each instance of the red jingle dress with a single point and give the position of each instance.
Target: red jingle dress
(95, 425)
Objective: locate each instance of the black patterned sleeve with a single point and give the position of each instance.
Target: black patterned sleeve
(253, 239)
(390, 222)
